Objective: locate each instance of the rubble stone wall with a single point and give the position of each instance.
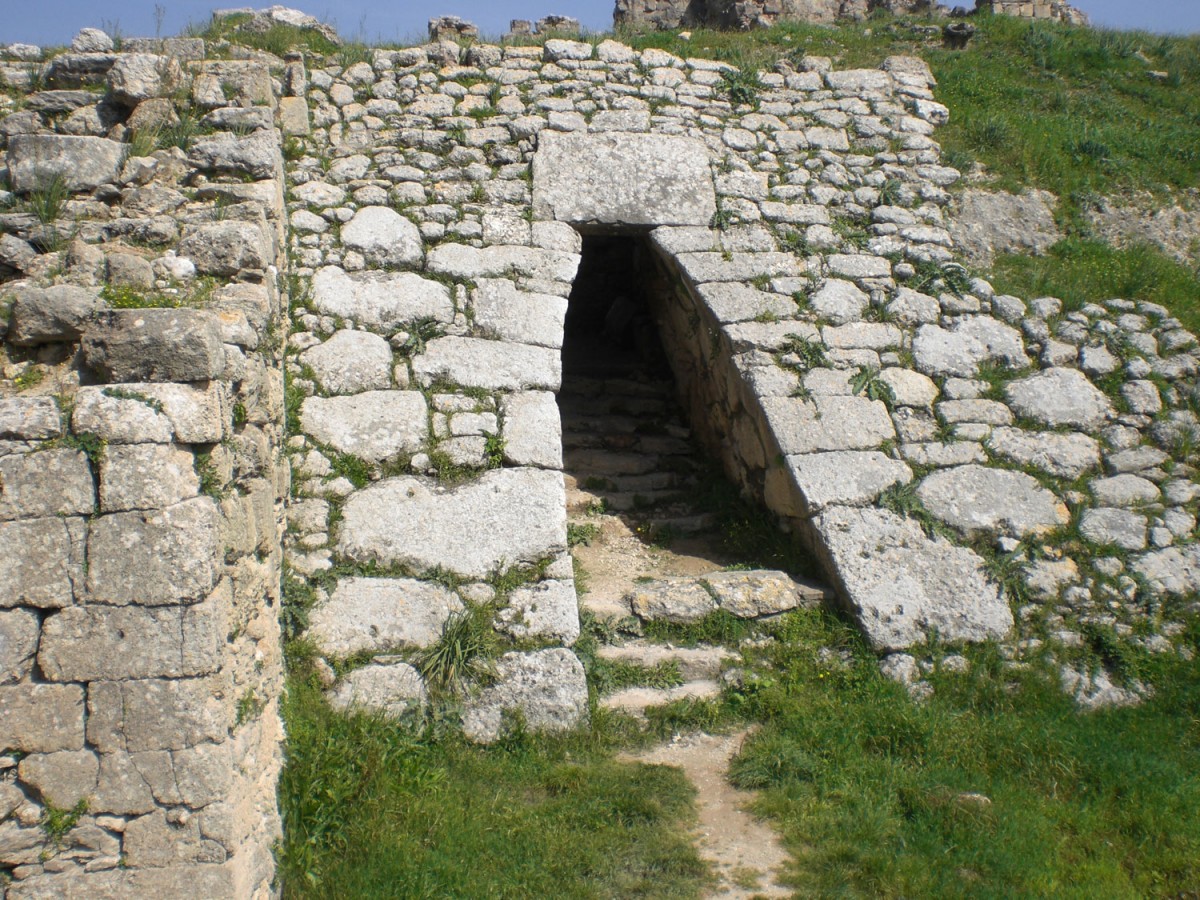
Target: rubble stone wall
(140, 486)
(936, 444)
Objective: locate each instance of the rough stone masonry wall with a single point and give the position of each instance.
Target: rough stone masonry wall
(140, 492)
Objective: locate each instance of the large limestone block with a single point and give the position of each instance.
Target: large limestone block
(506, 518)
(1062, 455)
(41, 718)
(159, 713)
(548, 610)
(146, 476)
(18, 643)
(462, 261)
(380, 300)
(1060, 397)
(513, 315)
(532, 430)
(761, 592)
(375, 425)
(82, 163)
(155, 345)
(827, 423)
(384, 237)
(492, 365)
(45, 315)
(351, 362)
(152, 413)
(733, 302)
(155, 557)
(390, 688)
(975, 499)
(381, 614)
(616, 178)
(122, 883)
(256, 155)
(29, 418)
(678, 600)
(99, 643)
(901, 584)
(547, 688)
(47, 483)
(41, 562)
(226, 248)
(135, 77)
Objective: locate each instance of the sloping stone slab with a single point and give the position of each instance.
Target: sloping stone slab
(622, 178)
(381, 614)
(498, 261)
(375, 425)
(827, 423)
(507, 517)
(379, 300)
(83, 163)
(975, 499)
(492, 365)
(389, 688)
(900, 584)
(846, 477)
(547, 688)
(1059, 397)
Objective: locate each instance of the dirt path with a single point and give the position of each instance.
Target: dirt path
(746, 854)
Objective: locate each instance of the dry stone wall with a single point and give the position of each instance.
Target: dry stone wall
(140, 491)
(936, 444)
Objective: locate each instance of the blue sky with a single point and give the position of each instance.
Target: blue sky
(54, 21)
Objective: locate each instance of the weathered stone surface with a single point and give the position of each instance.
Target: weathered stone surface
(122, 883)
(390, 688)
(351, 362)
(41, 562)
(532, 430)
(1124, 490)
(839, 302)
(911, 308)
(1063, 455)
(679, 600)
(1059, 397)
(959, 351)
(547, 688)
(762, 592)
(844, 477)
(984, 412)
(135, 77)
(375, 425)
(154, 558)
(909, 388)
(827, 423)
(547, 610)
(41, 718)
(64, 778)
(29, 418)
(702, 268)
(507, 517)
(974, 499)
(256, 154)
(146, 476)
(140, 413)
(381, 614)
(46, 315)
(512, 315)
(990, 222)
(384, 237)
(170, 345)
(1118, 527)
(226, 248)
(18, 643)
(492, 365)
(1175, 570)
(159, 714)
(378, 300)
(900, 584)
(462, 261)
(97, 643)
(46, 483)
(82, 163)
(733, 302)
(622, 179)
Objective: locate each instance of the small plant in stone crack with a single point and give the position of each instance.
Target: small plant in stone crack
(47, 201)
(867, 381)
(493, 450)
(57, 822)
(932, 276)
(802, 353)
(890, 194)
(741, 86)
(581, 533)
(902, 499)
(462, 653)
(721, 218)
(420, 333)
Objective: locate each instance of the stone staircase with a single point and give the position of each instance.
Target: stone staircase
(647, 546)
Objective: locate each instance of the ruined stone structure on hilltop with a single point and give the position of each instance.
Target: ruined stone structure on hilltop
(403, 234)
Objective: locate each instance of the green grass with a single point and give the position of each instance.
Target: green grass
(382, 809)
(1080, 271)
(866, 784)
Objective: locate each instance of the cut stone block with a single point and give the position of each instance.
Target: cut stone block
(492, 365)
(547, 610)
(146, 476)
(975, 499)
(46, 483)
(847, 477)
(41, 718)
(513, 315)
(380, 614)
(351, 362)
(532, 430)
(547, 688)
(41, 562)
(1060, 397)
(380, 300)
(376, 425)
(390, 688)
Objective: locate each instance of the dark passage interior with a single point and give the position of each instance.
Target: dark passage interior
(626, 443)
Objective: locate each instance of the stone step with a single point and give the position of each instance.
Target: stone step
(594, 461)
(598, 387)
(636, 700)
(634, 501)
(745, 594)
(695, 663)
